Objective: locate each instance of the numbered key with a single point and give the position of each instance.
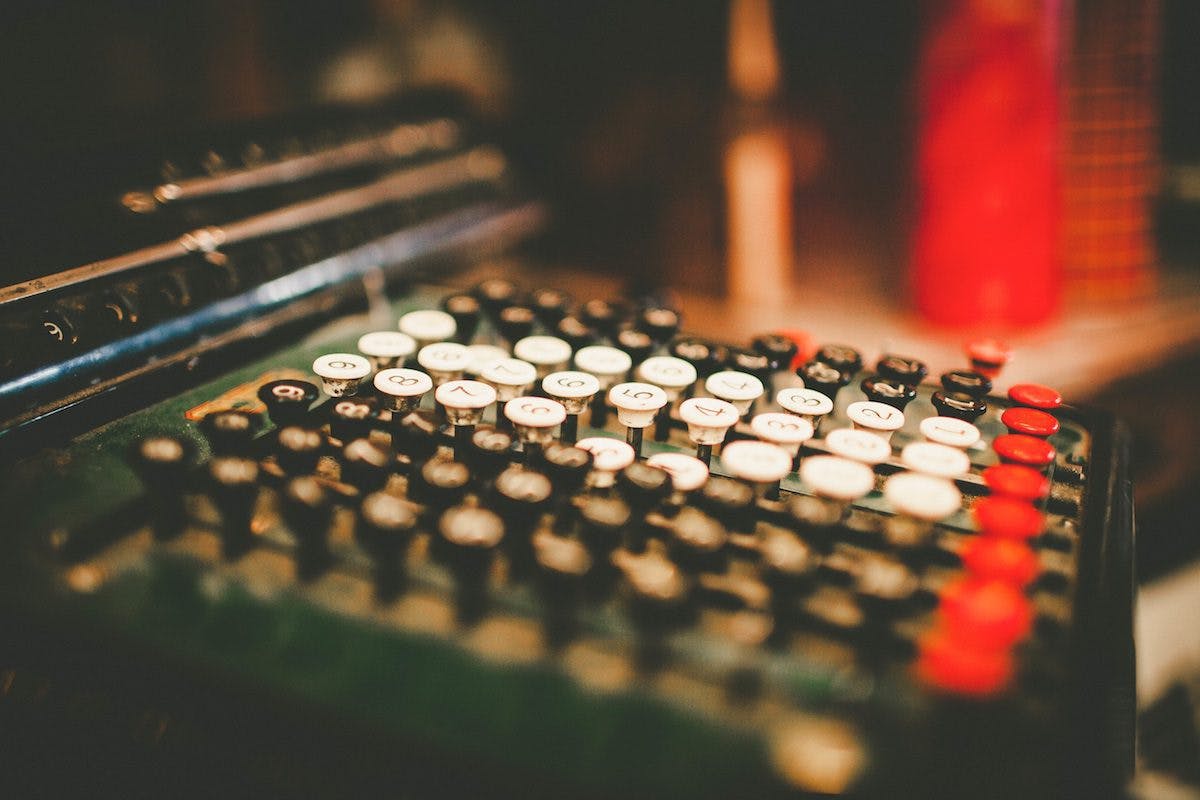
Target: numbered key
(288, 401)
(805, 403)
(444, 361)
(534, 419)
(464, 401)
(739, 388)
(575, 391)
(878, 418)
(673, 376)
(609, 456)
(708, 420)
(609, 365)
(511, 378)
(687, 473)
(546, 353)
(786, 431)
(386, 349)
(341, 373)
(637, 405)
(950, 431)
(402, 389)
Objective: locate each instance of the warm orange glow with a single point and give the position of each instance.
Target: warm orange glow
(753, 56)
(758, 185)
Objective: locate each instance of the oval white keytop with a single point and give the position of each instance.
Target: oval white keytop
(465, 394)
(386, 344)
(403, 382)
(805, 402)
(428, 325)
(757, 462)
(571, 385)
(603, 361)
(875, 416)
(950, 431)
(736, 387)
(688, 473)
(924, 497)
(788, 430)
(857, 445)
(543, 351)
(341, 372)
(837, 478)
(510, 373)
(608, 455)
(672, 374)
(447, 358)
(483, 356)
(708, 412)
(636, 403)
(535, 412)
(935, 459)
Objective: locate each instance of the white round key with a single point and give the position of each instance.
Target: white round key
(535, 412)
(708, 419)
(445, 360)
(935, 459)
(786, 430)
(428, 325)
(606, 363)
(837, 478)
(872, 416)
(547, 353)
(341, 372)
(571, 385)
(465, 395)
(924, 497)
(404, 387)
(483, 356)
(950, 431)
(512, 377)
(636, 403)
(739, 388)
(608, 455)
(386, 348)
(858, 445)
(688, 473)
(807, 403)
(672, 374)
(757, 462)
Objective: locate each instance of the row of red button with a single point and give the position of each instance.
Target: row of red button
(985, 614)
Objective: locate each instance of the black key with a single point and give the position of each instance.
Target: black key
(550, 306)
(705, 356)
(562, 569)
(788, 565)
(574, 332)
(58, 333)
(385, 527)
(959, 405)
(521, 495)
(366, 466)
(602, 524)
(234, 491)
(644, 487)
(567, 466)
(113, 315)
(637, 344)
(468, 540)
(905, 370)
(288, 401)
(779, 350)
(886, 588)
(602, 316)
(840, 357)
(163, 463)
(964, 381)
(439, 484)
(751, 362)
(495, 294)
(489, 453)
(659, 322)
(659, 602)
(823, 378)
(352, 418)
(297, 449)
(306, 508)
(730, 501)
(698, 541)
(416, 436)
(466, 312)
(230, 432)
(888, 391)
(515, 323)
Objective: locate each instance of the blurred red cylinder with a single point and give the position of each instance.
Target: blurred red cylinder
(986, 243)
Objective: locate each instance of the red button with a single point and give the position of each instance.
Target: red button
(988, 356)
(1035, 395)
(995, 558)
(1007, 516)
(1030, 421)
(985, 614)
(961, 669)
(1022, 449)
(1014, 480)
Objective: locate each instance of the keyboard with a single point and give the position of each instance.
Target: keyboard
(498, 541)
